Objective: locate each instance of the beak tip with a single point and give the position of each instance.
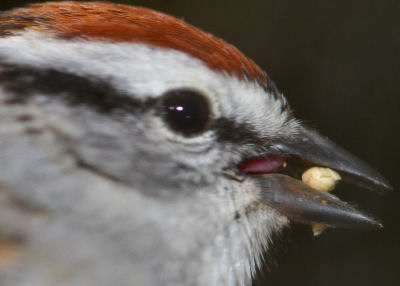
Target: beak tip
(362, 220)
(381, 183)
(377, 224)
(387, 185)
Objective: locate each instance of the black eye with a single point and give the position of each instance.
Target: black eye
(185, 111)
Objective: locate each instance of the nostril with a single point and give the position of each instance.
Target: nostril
(263, 165)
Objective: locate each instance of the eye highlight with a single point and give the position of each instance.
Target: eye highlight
(185, 111)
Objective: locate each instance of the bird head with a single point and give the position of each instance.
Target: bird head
(194, 132)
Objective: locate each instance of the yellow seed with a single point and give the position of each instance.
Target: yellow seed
(319, 178)
(317, 228)
(322, 179)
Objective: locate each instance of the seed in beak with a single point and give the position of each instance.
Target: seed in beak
(322, 179)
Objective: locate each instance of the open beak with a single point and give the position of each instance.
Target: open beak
(301, 203)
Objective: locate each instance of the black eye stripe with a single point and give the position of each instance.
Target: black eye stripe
(23, 82)
(186, 111)
(230, 131)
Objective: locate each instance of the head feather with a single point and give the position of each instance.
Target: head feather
(102, 21)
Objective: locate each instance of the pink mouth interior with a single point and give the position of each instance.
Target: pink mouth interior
(263, 165)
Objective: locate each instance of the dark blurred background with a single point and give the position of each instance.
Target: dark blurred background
(338, 63)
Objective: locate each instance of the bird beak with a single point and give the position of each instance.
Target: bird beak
(301, 203)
